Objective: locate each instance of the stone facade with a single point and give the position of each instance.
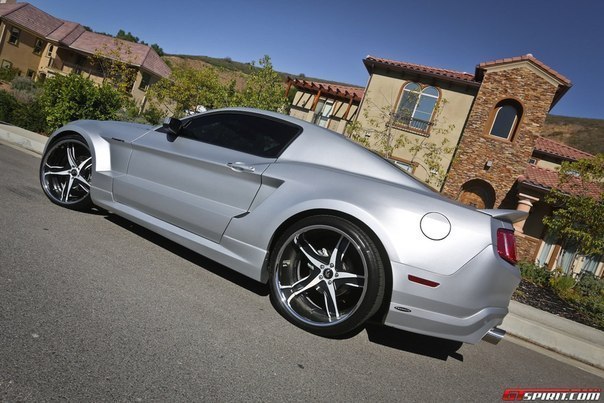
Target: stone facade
(508, 159)
(526, 247)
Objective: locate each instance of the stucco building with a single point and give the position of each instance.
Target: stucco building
(41, 45)
(485, 127)
(328, 105)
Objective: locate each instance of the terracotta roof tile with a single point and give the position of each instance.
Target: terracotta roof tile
(445, 73)
(345, 91)
(33, 19)
(9, 8)
(66, 33)
(548, 179)
(74, 36)
(552, 147)
(129, 52)
(154, 63)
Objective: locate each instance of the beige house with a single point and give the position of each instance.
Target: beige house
(486, 128)
(420, 103)
(40, 45)
(328, 105)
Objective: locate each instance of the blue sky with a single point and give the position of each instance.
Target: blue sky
(329, 39)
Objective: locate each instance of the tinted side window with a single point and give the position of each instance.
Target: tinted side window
(243, 132)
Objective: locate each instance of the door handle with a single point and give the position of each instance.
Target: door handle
(240, 167)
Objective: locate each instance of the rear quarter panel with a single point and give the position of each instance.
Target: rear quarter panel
(393, 212)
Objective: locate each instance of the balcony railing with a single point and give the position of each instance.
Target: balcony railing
(411, 123)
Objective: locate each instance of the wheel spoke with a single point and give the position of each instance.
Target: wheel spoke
(308, 283)
(331, 303)
(82, 181)
(351, 279)
(54, 170)
(71, 156)
(311, 254)
(67, 189)
(87, 163)
(337, 255)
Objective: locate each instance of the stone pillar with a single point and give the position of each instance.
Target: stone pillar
(525, 203)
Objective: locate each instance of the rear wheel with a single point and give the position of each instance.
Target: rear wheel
(327, 275)
(65, 173)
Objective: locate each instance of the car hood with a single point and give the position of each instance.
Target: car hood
(123, 131)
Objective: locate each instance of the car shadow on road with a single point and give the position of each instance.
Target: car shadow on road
(414, 343)
(193, 257)
(390, 337)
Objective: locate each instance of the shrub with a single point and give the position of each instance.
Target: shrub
(535, 274)
(73, 97)
(24, 89)
(7, 104)
(153, 115)
(7, 74)
(563, 285)
(590, 286)
(29, 116)
(22, 84)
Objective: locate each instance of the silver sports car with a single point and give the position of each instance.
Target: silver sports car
(340, 234)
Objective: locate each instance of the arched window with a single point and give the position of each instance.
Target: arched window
(416, 107)
(505, 119)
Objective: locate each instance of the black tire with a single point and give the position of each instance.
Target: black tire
(326, 276)
(65, 173)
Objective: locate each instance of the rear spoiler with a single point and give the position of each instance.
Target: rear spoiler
(510, 216)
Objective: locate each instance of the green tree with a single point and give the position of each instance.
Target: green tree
(157, 49)
(73, 97)
(115, 63)
(578, 203)
(381, 135)
(121, 34)
(264, 88)
(187, 88)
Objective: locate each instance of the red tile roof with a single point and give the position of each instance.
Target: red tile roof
(66, 33)
(547, 179)
(434, 71)
(473, 79)
(32, 18)
(74, 36)
(338, 90)
(557, 149)
(6, 9)
(132, 53)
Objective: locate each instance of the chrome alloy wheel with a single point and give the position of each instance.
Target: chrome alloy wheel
(65, 172)
(320, 275)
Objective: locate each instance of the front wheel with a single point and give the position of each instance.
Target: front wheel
(65, 173)
(327, 275)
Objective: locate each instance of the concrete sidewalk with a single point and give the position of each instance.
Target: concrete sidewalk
(23, 138)
(563, 336)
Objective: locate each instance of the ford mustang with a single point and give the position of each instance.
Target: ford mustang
(340, 234)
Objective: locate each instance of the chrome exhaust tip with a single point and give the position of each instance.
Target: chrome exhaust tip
(494, 336)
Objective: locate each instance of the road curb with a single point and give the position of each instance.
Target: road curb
(23, 138)
(561, 335)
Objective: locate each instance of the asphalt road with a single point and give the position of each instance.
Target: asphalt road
(94, 308)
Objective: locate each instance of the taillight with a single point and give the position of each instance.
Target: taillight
(506, 245)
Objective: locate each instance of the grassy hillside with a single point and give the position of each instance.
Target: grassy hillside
(230, 68)
(584, 134)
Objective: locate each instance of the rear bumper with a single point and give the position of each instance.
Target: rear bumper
(463, 307)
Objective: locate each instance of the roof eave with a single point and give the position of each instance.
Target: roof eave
(371, 64)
